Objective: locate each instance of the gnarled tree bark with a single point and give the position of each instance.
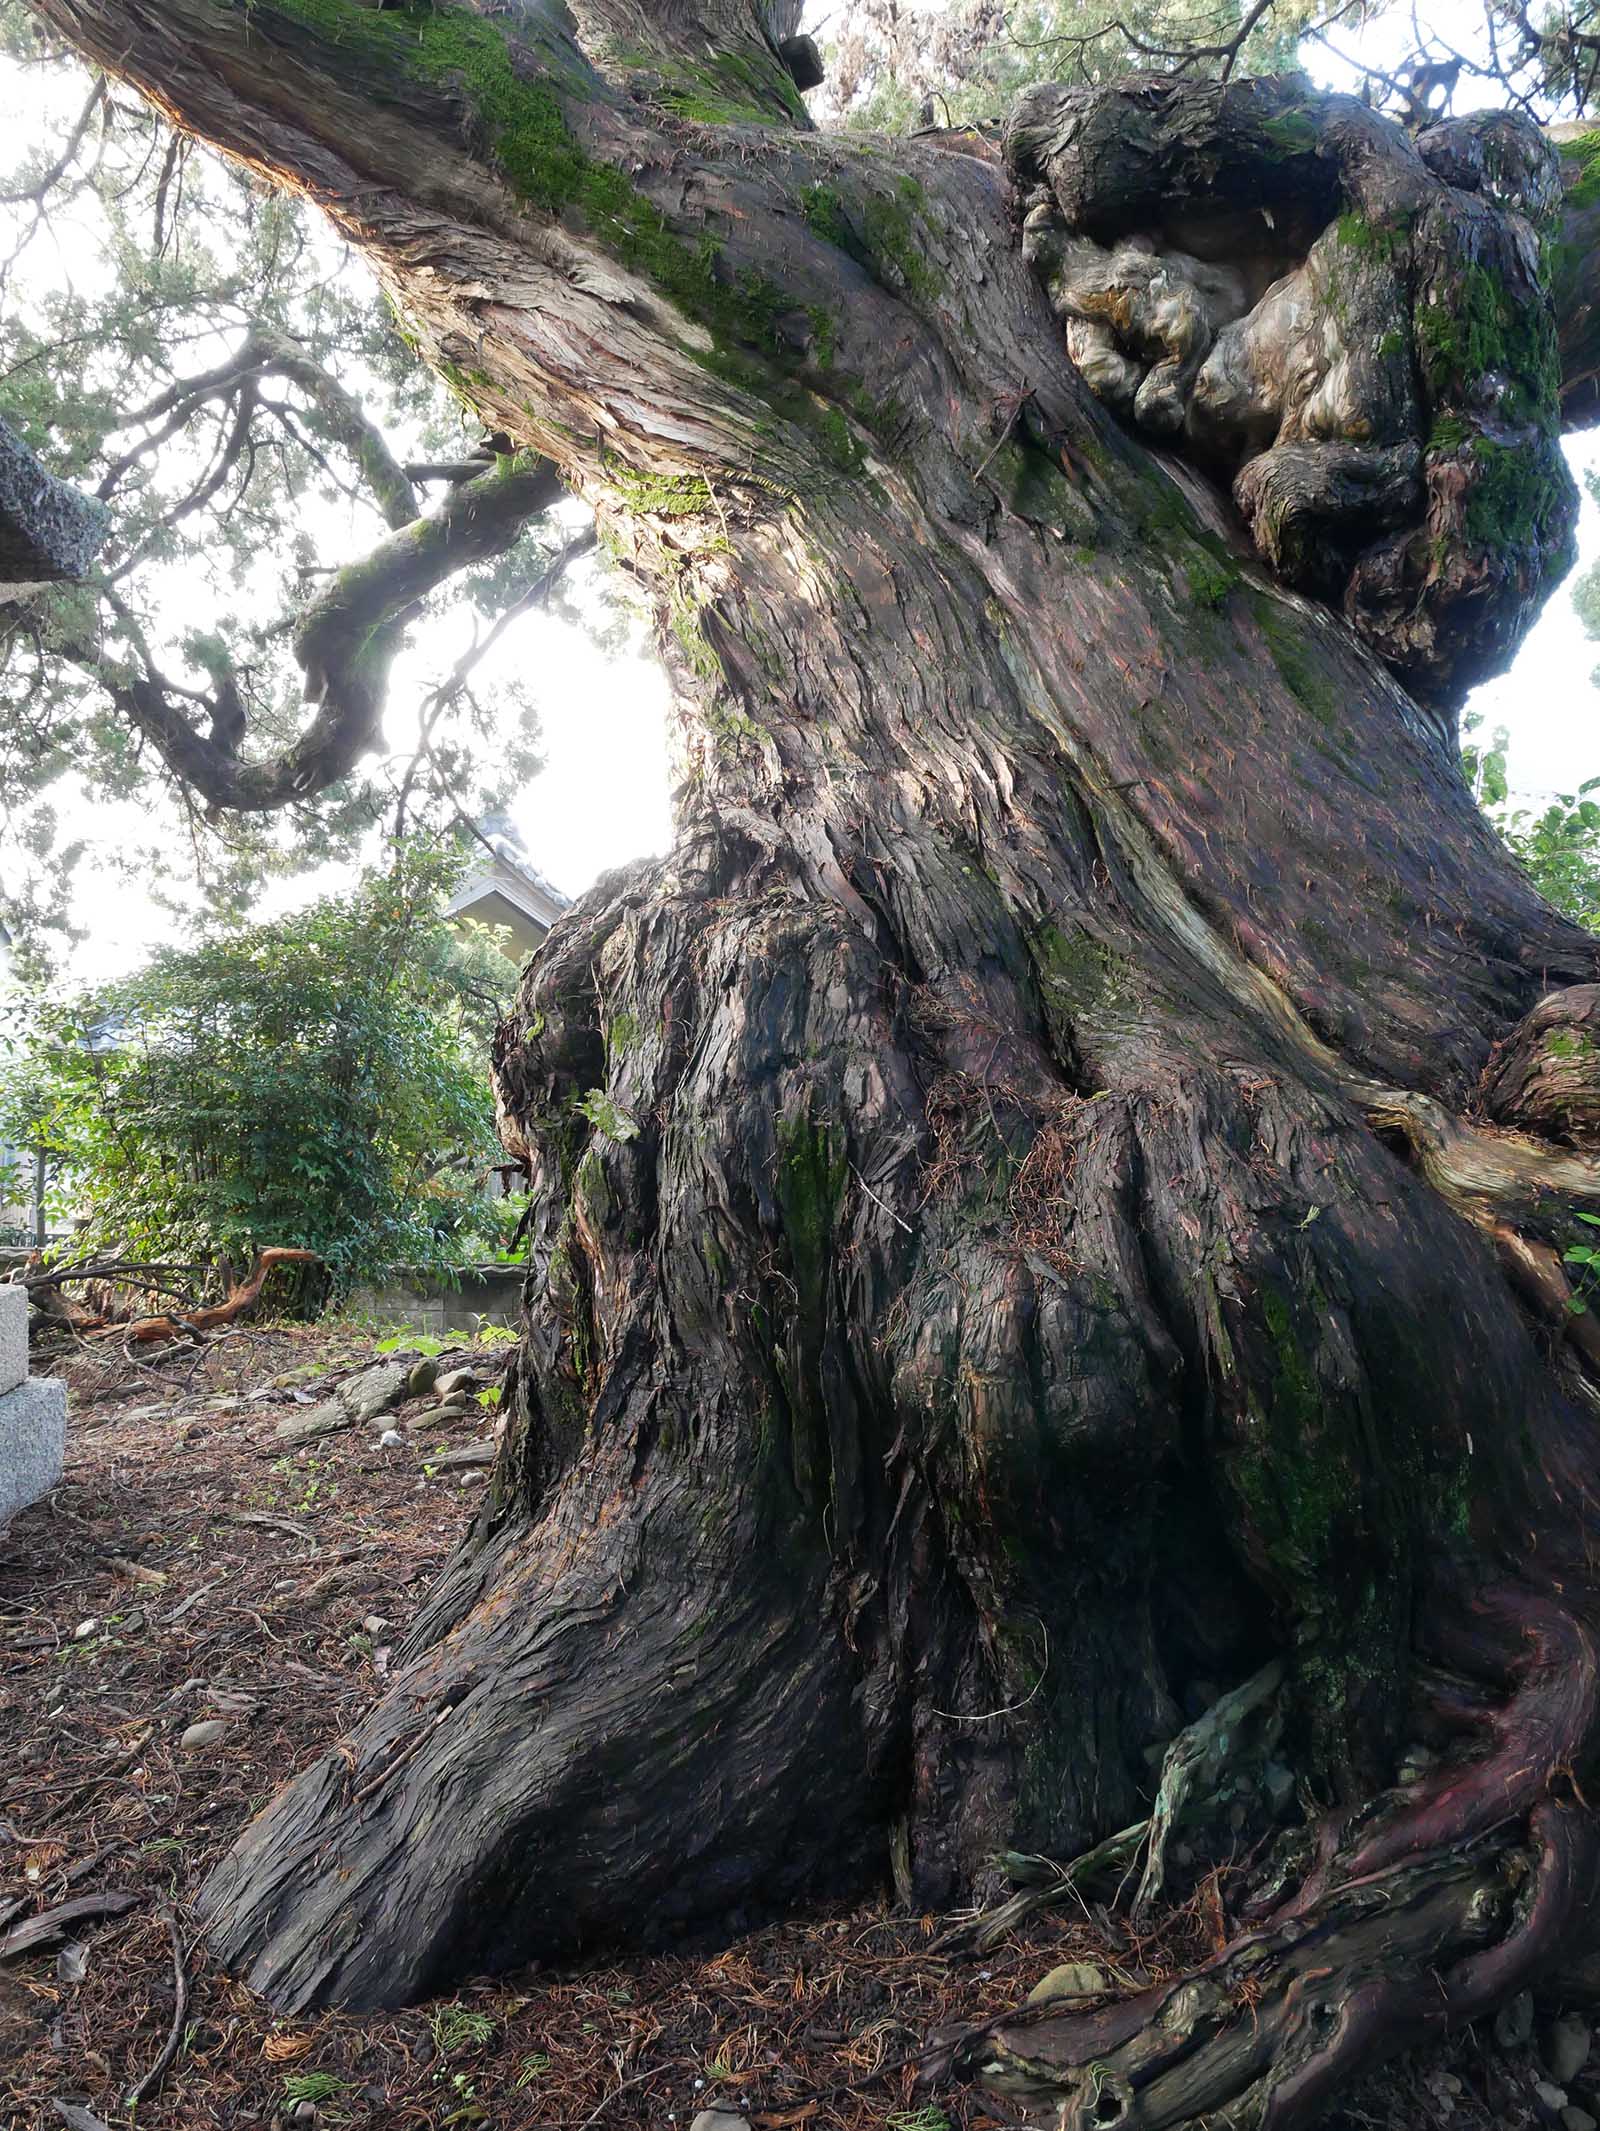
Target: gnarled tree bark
(1021, 1225)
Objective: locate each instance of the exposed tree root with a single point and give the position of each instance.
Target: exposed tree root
(1190, 1771)
(1424, 1910)
(612, 1734)
(1261, 2038)
(1543, 1076)
(1487, 1176)
(239, 1301)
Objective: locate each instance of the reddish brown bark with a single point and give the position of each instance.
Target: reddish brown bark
(1015, 1235)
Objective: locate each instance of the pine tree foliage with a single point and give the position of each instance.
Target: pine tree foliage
(200, 351)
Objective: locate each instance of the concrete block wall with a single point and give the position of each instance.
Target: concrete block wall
(33, 1414)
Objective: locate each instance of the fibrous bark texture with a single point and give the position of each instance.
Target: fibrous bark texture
(1019, 1228)
(48, 531)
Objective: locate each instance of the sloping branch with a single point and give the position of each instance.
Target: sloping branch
(345, 643)
(347, 639)
(42, 186)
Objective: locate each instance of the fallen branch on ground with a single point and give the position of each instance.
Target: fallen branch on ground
(239, 1299)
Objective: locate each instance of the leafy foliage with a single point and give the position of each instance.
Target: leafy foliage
(319, 1081)
(1558, 846)
(1586, 1279)
(892, 67)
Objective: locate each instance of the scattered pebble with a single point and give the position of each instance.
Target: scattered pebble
(1513, 2023)
(210, 1731)
(391, 1439)
(1073, 1979)
(1565, 2046)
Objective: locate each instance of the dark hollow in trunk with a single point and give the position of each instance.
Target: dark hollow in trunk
(1019, 1230)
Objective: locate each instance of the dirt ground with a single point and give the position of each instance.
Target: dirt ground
(189, 1570)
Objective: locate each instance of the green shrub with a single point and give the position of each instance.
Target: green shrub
(318, 1081)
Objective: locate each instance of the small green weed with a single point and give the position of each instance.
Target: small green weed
(407, 1337)
(1587, 1279)
(457, 2027)
(311, 2086)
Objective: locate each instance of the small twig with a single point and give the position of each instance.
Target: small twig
(985, 1716)
(653, 2071)
(275, 1524)
(180, 2012)
(873, 1196)
(1022, 400)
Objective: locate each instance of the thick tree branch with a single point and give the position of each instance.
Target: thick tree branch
(345, 643)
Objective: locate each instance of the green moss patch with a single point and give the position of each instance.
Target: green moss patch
(885, 241)
(1378, 240)
(1298, 667)
(1584, 150)
(1519, 497)
(810, 1190)
(468, 56)
(1485, 328)
(661, 495)
(1210, 582)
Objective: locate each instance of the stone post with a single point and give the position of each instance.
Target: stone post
(33, 1414)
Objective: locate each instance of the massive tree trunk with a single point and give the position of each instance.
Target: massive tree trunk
(1030, 1212)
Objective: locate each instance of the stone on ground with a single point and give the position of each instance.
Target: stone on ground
(13, 1336)
(1513, 2023)
(361, 1397)
(468, 1454)
(326, 1419)
(210, 1731)
(375, 1390)
(1073, 1979)
(33, 1442)
(1564, 2046)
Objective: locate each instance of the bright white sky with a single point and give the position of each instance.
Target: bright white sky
(602, 797)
